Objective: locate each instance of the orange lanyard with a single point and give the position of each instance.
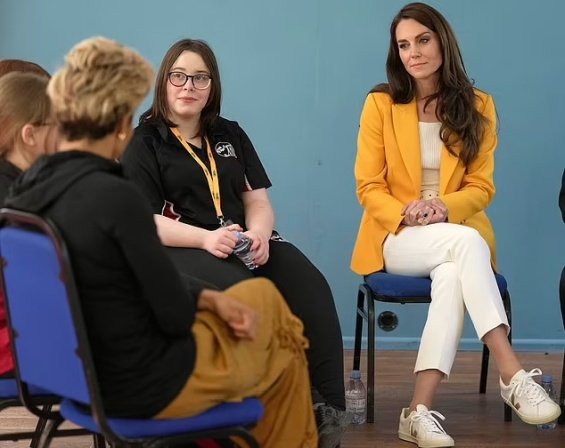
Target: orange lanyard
(211, 174)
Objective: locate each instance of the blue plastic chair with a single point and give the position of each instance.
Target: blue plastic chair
(383, 287)
(52, 352)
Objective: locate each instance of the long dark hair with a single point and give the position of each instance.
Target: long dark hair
(159, 110)
(456, 98)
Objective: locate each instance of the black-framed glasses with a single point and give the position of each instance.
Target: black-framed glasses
(200, 81)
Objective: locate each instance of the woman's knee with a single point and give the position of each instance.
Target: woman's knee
(445, 272)
(469, 237)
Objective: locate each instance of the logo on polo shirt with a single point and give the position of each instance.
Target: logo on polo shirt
(225, 149)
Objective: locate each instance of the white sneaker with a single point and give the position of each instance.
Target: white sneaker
(528, 399)
(422, 428)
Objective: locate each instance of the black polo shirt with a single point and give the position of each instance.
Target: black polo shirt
(175, 184)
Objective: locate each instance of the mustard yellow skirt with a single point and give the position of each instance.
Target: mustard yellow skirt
(272, 367)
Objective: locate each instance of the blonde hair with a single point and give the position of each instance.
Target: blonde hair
(100, 83)
(23, 100)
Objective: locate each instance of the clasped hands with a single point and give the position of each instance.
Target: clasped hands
(423, 212)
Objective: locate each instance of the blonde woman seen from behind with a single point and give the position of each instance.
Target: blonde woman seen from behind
(163, 346)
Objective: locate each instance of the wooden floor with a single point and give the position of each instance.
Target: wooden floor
(473, 420)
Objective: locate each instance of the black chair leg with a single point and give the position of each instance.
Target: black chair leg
(486, 355)
(484, 370)
(370, 357)
(39, 428)
(508, 308)
(358, 329)
(483, 383)
(49, 432)
(98, 441)
(507, 413)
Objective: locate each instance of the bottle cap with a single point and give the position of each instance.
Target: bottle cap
(355, 374)
(546, 379)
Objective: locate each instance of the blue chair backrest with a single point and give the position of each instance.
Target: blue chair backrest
(37, 278)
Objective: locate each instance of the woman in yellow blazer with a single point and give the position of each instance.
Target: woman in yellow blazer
(424, 174)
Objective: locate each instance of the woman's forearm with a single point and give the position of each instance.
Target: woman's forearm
(259, 217)
(177, 234)
(259, 214)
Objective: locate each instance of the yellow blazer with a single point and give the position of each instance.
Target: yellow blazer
(388, 172)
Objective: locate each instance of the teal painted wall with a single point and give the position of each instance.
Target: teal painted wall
(295, 74)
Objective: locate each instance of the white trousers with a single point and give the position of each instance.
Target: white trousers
(457, 259)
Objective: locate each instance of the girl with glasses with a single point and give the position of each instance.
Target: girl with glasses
(206, 186)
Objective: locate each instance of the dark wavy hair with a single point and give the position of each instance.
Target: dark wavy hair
(456, 98)
(159, 110)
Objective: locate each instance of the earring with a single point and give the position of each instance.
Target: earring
(122, 136)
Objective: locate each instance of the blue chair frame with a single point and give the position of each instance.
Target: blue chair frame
(30, 245)
(390, 288)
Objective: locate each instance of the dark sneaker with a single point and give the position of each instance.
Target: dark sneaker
(331, 423)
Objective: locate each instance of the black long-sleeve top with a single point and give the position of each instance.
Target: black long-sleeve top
(138, 311)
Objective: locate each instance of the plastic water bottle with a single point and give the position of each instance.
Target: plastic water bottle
(356, 398)
(242, 250)
(547, 384)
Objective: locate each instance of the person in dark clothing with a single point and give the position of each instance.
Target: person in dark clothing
(26, 132)
(205, 183)
(562, 196)
(162, 346)
(562, 281)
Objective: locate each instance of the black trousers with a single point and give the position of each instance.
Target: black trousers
(308, 296)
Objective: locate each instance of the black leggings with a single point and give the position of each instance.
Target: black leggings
(308, 296)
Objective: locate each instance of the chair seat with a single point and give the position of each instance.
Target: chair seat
(9, 389)
(388, 287)
(246, 413)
